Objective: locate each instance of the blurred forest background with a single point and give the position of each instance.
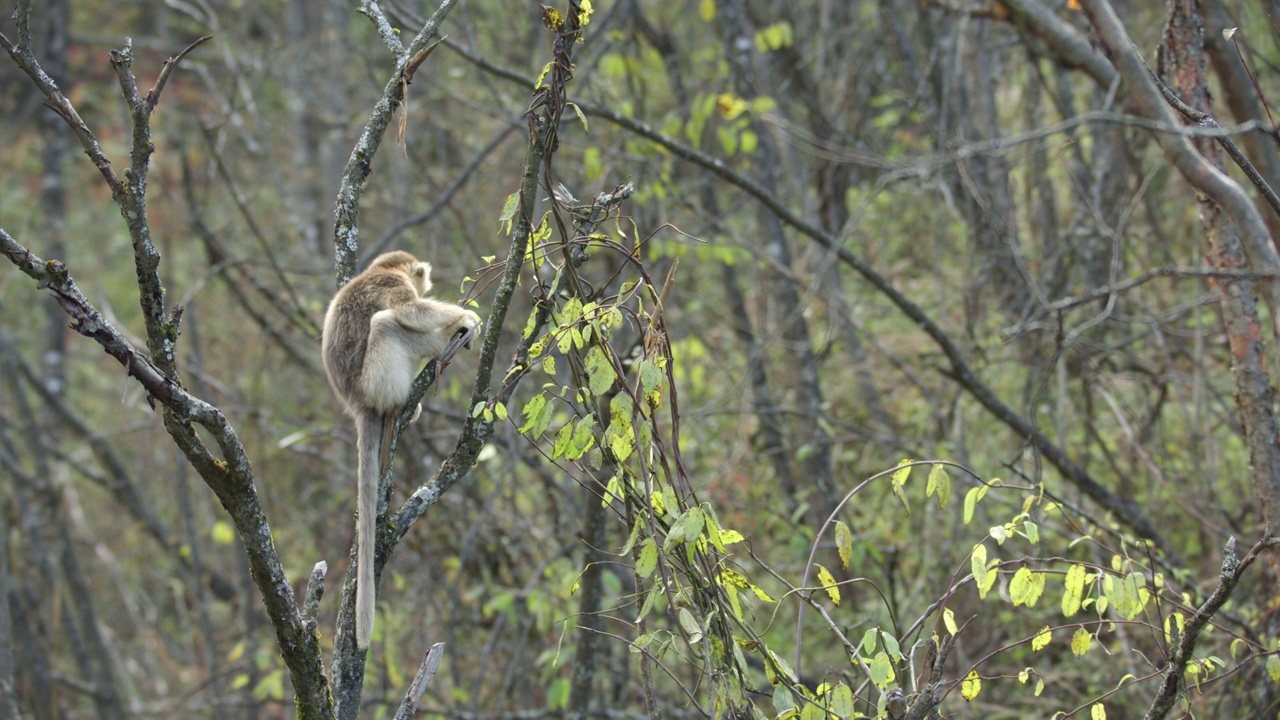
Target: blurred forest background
(962, 231)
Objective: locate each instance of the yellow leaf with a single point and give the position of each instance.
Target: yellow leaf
(1098, 712)
(707, 10)
(844, 544)
(1026, 587)
(828, 583)
(949, 619)
(971, 686)
(903, 472)
(1041, 641)
(1074, 590)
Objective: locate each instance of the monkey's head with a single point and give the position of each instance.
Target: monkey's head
(420, 274)
(400, 261)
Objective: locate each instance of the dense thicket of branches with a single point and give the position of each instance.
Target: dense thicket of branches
(1033, 239)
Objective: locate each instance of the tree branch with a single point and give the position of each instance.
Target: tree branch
(1232, 570)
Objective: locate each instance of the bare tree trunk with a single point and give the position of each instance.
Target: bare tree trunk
(52, 188)
(1185, 67)
(8, 695)
(814, 444)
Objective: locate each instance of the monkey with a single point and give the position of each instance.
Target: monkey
(378, 331)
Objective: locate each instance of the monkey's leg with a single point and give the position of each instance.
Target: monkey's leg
(391, 361)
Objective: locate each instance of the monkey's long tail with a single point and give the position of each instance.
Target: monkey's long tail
(369, 439)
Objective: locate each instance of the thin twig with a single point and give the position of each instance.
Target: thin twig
(1206, 120)
(1231, 35)
(1232, 570)
(171, 64)
(371, 9)
(426, 671)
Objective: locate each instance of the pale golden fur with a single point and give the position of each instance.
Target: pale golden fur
(378, 332)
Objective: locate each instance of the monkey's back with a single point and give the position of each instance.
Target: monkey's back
(346, 327)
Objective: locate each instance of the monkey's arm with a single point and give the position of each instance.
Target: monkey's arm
(433, 316)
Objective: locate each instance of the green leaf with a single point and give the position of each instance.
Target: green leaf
(1073, 591)
(1273, 667)
(987, 581)
(983, 576)
(786, 668)
(648, 560)
(271, 686)
(971, 686)
(622, 445)
(612, 490)
(634, 536)
(1236, 646)
(869, 641)
(842, 701)
(650, 377)
(558, 694)
(734, 602)
(563, 437)
(533, 415)
(649, 600)
(583, 439)
(903, 473)
(658, 503)
(509, 208)
(949, 619)
(939, 481)
(844, 543)
(891, 645)
(693, 523)
(999, 533)
(828, 583)
(1080, 642)
(761, 594)
(223, 534)
(690, 625)
(882, 670)
(783, 702)
(713, 531)
(581, 118)
(971, 499)
(1026, 587)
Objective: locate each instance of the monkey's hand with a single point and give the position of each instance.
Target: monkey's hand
(461, 338)
(469, 326)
